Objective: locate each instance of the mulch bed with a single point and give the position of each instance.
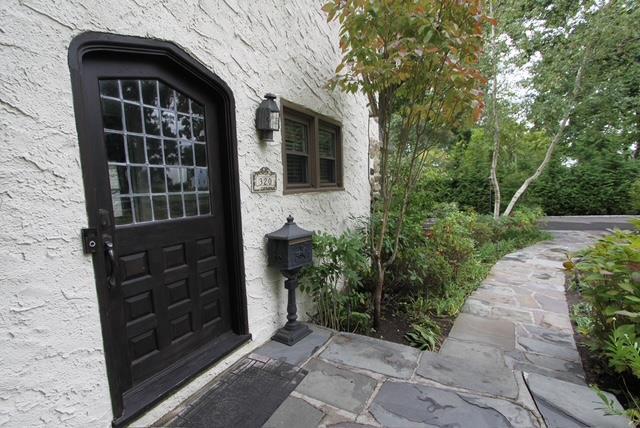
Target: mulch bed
(395, 324)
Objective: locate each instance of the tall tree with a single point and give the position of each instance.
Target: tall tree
(417, 63)
(565, 41)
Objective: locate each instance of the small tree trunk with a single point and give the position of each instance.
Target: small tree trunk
(496, 123)
(556, 138)
(377, 297)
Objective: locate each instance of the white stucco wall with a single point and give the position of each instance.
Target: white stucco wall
(52, 369)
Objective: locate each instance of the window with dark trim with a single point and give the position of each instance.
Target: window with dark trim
(312, 151)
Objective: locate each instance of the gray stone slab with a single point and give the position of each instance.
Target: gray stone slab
(498, 333)
(411, 405)
(471, 366)
(295, 413)
(564, 352)
(565, 404)
(340, 388)
(553, 305)
(552, 336)
(372, 354)
(298, 353)
(569, 371)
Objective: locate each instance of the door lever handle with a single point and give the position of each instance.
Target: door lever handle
(112, 275)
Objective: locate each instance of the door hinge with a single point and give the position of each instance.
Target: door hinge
(89, 240)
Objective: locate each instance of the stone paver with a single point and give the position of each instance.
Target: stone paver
(294, 413)
(379, 356)
(470, 366)
(406, 404)
(498, 333)
(296, 355)
(339, 387)
(565, 404)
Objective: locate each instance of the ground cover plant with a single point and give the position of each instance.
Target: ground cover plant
(606, 278)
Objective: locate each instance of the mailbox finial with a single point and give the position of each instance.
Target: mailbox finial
(290, 219)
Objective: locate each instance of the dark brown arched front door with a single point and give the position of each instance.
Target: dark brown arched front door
(159, 167)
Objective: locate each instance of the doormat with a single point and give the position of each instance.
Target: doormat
(245, 395)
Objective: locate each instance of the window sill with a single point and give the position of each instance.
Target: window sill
(293, 191)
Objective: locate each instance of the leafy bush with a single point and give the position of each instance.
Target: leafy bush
(608, 279)
(334, 282)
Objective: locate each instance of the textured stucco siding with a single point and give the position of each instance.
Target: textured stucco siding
(52, 369)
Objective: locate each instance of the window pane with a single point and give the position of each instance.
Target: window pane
(112, 114)
(142, 206)
(201, 154)
(151, 121)
(296, 136)
(184, 126)
(203, 203)
(175, 206)
(327, 171)
(154, 151)
(135, 145)
(139, 179)
(188, 180)
(202, 179)
(157, 180)
(115, 147)
(174, 180)
(160, 211)
(122, 210)
(186, 153)
(150, 92)
(198, 128)
(118, 180)
(109, 88)
(327, 143)
(133, 118)
(190, 205)
(297, 169)
(171, 156)
(167, 96)
(130, 90)
(168, 123)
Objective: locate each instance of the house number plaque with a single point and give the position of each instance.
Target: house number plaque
(264, 180)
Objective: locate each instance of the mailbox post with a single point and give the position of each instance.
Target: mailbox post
(290, 249)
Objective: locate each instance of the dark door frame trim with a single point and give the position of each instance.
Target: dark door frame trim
(94, 42)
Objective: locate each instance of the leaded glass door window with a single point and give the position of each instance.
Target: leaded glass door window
(156, 151)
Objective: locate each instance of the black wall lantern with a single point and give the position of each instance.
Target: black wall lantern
(268, 117)
(289, 249)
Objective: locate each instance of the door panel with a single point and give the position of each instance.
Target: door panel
(157, 163)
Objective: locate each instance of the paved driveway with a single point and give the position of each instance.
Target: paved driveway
(585, 223)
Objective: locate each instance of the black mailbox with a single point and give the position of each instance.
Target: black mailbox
(290, 247)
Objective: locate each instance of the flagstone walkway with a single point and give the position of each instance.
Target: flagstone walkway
(510, 361)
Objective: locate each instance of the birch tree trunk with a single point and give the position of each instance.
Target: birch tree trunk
(496, 122)
(556, 138)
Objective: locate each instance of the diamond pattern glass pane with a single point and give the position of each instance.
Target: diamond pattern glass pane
(154, 138)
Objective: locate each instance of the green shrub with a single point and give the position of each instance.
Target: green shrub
(608, 279)
(334, 282)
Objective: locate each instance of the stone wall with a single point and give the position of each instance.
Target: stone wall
(52, 369)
